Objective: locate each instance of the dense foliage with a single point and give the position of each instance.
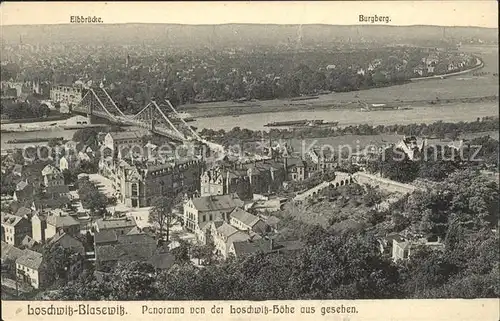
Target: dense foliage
(438, 129)
(333, 265)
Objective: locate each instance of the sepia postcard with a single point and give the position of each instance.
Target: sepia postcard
(250, 160)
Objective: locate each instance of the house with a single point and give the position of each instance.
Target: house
(17, 170)
(24, 190)
(245, 221)
(57, 191)
(59, 220)
(47, 204)
(419, 70)
(83, 156)
(265, 203)
(68, 241)
(272, 222)
(52, 176)
(225, 234)
(296, 169)
(322, 159)
(245, 248)
(24, 212)
(119, 225)
(29, 242)
(138, 182)
(38, 226)
(402, 248)
(245, 179)
(14, 229)
(116, 140)
(411, 146)
(209, 209)
(10, 254)
(67, 162)
(30, 269)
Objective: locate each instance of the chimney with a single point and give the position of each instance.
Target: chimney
(271, 244)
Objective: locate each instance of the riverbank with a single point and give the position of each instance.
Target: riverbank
(318, 105)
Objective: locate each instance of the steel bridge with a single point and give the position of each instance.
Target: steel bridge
(97, 102)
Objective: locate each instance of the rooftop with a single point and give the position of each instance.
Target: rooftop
(30, 259)
(115, 223)
(10, 252)
(217, 202)
(61, 221)
(227, 230)
(244, 217)
(105, 236)
(68, 241)
(11, 220)
(266, 246)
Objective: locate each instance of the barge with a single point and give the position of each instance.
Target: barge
(301, 123)
(33, 140)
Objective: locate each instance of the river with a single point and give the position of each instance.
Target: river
(345, 117)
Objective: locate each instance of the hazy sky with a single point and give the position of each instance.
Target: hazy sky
(446, 13)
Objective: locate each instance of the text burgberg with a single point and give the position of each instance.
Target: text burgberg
(374, 19)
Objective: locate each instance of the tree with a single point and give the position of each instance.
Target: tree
(57, 262)
(91, 197)
(133, 281)
(162, 214)
(197, 252)
(181, 252)
(336, 268)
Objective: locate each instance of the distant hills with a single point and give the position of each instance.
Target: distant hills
(233, 34)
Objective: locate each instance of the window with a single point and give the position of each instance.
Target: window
(135, 189)
(211, 217)
(204, 218)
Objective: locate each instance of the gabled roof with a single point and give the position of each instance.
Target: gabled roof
(105, 236)
(227, 230)
(30, 259)
(265, 246)
(23, 211)
(51, 202)
(135, 231)
(28, 241)
(50, 170)
(68, 241)
(272, 220)
(10, 220)
(61, 221)
(21, 185)
(10, 252)
(244, 217)
(217, 202)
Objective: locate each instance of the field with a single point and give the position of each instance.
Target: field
(415, 93)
